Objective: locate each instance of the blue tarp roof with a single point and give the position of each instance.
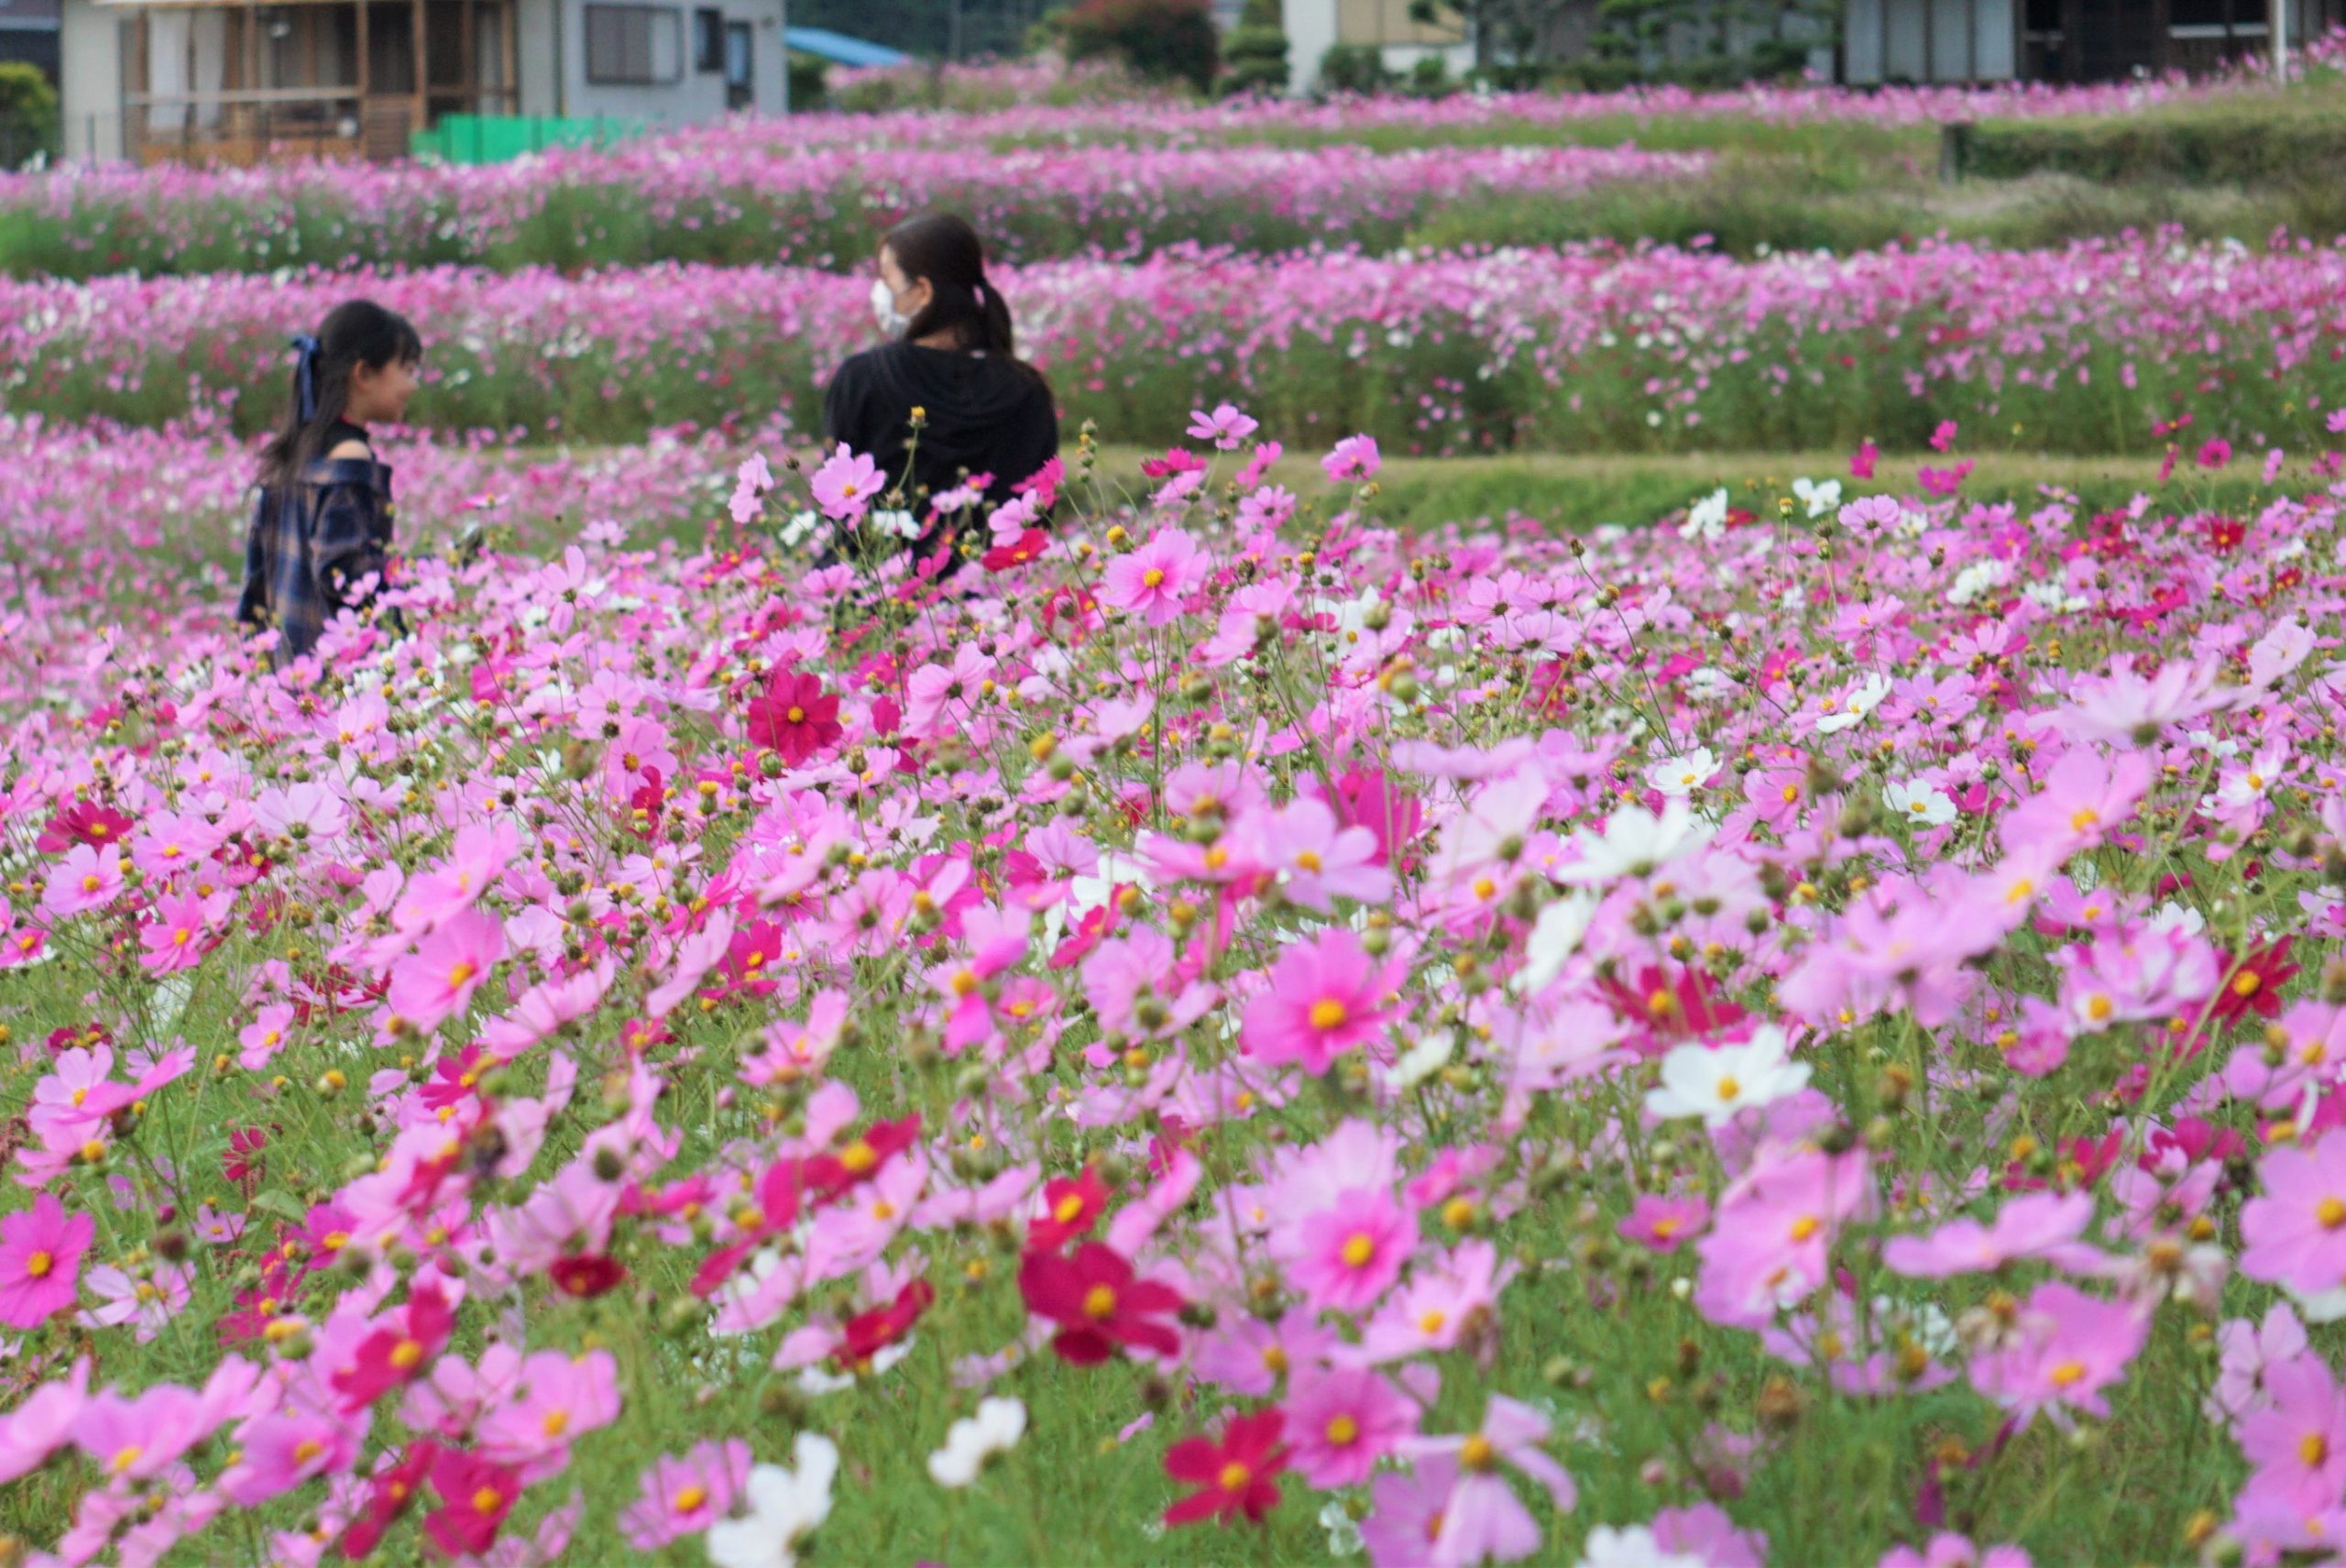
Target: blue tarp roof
(843, 50)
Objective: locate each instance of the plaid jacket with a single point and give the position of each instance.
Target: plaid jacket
(308, 541)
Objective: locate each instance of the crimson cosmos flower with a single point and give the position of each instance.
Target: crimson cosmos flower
(1097, 1303)
(1072, 1205)
(587, 1274)
(793, 719)
(1234, 1477)
(827, 1176)
(388, 1497)
(866, 1335)
(476, 1496)
(391, 1356)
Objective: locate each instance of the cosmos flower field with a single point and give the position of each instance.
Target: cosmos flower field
(1805, 1030)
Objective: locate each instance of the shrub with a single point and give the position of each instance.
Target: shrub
(1161, 41)
(1354, 68)
(1257, 55)
(807, 74)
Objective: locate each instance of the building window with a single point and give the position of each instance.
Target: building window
(708, 38)
(634, 46)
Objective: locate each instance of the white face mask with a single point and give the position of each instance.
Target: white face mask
(892, 321)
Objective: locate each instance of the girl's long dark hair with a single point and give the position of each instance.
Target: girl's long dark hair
(358, 332)
(947, 251)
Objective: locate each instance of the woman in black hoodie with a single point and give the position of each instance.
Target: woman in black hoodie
(982, 411)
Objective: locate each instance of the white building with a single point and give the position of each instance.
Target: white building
(239, 80)
(2063, 40)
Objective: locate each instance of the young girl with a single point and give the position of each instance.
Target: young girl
(322, 524)
(953, 357)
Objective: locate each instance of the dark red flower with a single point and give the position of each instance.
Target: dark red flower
(1072, 1207)
(454, 1079)
(587, 1276)
(866, 1335)
(83, 822)
(397, 1354)
(827, 1176)
(779, 1191)
(1664, 1009)
(1090, 1293)
(793, 719)
(1233, 1477)
(475, 1496)
(2258, 976)
(241, 1160)
(387, 1498)
(649, 800)
(1027, 547)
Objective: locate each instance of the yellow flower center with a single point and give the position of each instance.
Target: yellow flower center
(2331, 1213)
(2099, 1007)
(485, 1501)
(1328, 1013)
(691, 1498)
(1729, 1088)
(2068, 1373)
(1307, 861)
(1359, 1247)
(1478, 1453)
(309, 1448)
(797, 715)
(557, 1423)
(1343, 1430)
(406, 1354)
(2246, 983)
(1275, 1357)
(1153, 577)
(1067, 1208)
(38, 1265)
(461, 972)
(2313, 1449)
(1235, 1476)
(858, 1157)
(1806, 1226)
(1099, 1302)
(124, 1458)
(2086, 817)
(964, 982)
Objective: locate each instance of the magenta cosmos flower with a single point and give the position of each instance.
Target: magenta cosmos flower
(1325, 998)
(2296, 1233)
(439, 978)
(1342, 1421)
(1154, 579)
(1346, 1256)
(40, 1261)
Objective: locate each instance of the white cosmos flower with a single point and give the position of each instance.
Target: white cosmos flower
(1716, 1083)
(1424, 1059)
(785, 1507)
(1633, 1546)
(1555, 937)
(1706, 519)
(818, 1380)
(995, 1429)
(1683, 776)
(1634, 842)
(1818, 499)
(1923, 804)
(1842, 711)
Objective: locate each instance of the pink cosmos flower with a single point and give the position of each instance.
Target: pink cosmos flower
(2217, 452)
(136, 1439)
(439, 978)
(2295, 1235)
(1346, 1256)
(1325, 998)
(1770, 1245)
(1319, 857)
(2298, 1441)
(1863, 461)
(847, 484)
(751, 480)
(1342, 1422)
(149, 1303)
(2069, 1347)
(282, 1451)
(1948, 1550)
(43, 1422)
(681, 1496)
(1354, 461)
(1664, 1225)
(1225, 426)
(90, 877)
(1155, 579)
(40, 1261)
(2044, 1224)
(261, 1039)
(179, 934)
(2084, 796)
(1410, 1519)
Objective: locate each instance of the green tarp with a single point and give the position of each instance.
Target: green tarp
(493, 139)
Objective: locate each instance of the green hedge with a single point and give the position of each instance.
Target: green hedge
(2245, 140)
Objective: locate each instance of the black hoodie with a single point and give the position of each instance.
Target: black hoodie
(983, 414)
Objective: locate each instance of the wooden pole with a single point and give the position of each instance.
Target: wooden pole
(423, 110)
(1930, 40)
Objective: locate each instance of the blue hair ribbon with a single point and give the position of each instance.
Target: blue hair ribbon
(305, 376)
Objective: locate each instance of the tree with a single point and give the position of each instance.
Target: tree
(1160, 41)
